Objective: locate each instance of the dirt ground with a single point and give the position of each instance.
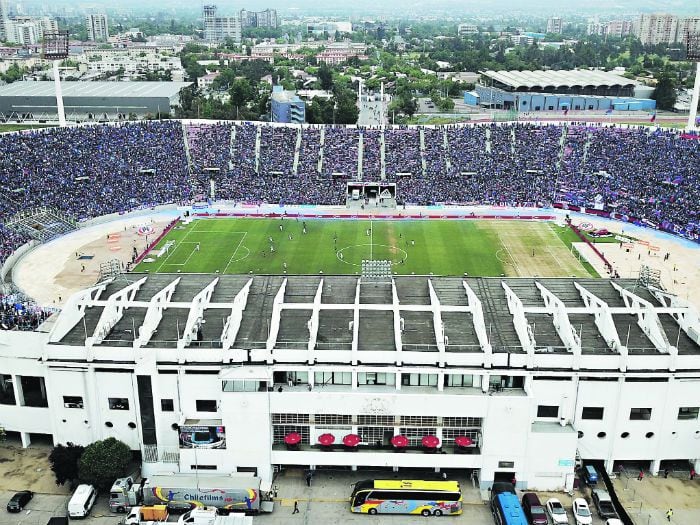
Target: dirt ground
(27, 469)
(53, 271)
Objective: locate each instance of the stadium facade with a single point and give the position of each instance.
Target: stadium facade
(559, 90)
(89, 101)
(215, 373)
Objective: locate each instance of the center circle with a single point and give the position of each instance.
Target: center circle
(356, 253)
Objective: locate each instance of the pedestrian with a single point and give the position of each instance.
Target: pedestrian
(296, 507)
(692, 473)
(82, 267)
(196, 248)
(280, 227)
(641, 475)
(665, 473)
(290, 236)
(669, 514)
(308, 479)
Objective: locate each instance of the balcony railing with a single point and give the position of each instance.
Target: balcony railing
(445, 449)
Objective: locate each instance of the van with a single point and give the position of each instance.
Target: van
(534, 510)
(590, 475)
(82, 501)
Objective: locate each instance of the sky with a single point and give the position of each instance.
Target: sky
(425, 7)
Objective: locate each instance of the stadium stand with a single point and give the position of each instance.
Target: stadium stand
(644, 175)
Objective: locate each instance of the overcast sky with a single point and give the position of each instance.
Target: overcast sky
(398, 7)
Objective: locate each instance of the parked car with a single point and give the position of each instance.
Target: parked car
(534, 510)
(19, 501)
(557, 512)
(582, 514)
(589, 475)
(614, 521)
(179, 507)
(603, 504)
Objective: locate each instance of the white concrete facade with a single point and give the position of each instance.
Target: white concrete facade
(529, 410)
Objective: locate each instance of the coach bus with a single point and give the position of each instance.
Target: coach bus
(428, 498)
(506, 509)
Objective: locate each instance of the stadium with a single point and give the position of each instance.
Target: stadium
(495, 301)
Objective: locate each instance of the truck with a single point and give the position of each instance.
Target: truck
(211, 517)
(139, 515)
(230, 493)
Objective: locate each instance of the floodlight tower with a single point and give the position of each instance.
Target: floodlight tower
(693, 55)
(55, 47)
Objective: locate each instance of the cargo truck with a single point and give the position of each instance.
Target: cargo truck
(242, 494)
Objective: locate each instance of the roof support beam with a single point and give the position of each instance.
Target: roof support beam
(113, 311)
(195, 318)
(398, 321)
(562, 325)
(355, 320)
(522, 327)
(154, 314)
(604, 322)
(314, 322)
(233, 322)
(686, 316)
(276, 317)
(438, 326)
(647, 320)
(477, 311)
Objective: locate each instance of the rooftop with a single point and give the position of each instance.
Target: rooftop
(438, 318)
(94, 89)
(559, 79)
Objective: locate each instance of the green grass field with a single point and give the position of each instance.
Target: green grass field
(448, 247)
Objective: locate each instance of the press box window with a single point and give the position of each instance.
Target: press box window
(206, 405)
(547, 411)
(376, 378)
(688, 412)
(118, 403)
(592, 413)
(640, 413)
(167, 405)
(73, 402)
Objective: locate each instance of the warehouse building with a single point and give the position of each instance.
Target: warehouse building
(88, 101)
(559, 90)
(506, 378)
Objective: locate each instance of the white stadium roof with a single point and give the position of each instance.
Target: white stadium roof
(570, 78)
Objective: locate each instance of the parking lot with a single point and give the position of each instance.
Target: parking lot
(326, 500)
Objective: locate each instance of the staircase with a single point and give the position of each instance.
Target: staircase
(297, 150)
(488, 140)
(424, 165)
(258, 135)
(322, 141)
(190, 166)
(360, 154)
(446, 147)
(382, 155)
(231, 146)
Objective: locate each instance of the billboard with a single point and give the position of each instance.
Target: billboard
(202, 436)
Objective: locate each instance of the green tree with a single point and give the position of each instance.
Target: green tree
(665, 92)
(241, 92)
(325, 77)
(104, 461)
(64, 462)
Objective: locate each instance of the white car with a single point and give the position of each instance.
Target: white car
(557, 512)
(613, 521)
(582, 514)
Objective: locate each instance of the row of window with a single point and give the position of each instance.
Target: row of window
(116, 403)
(636, 414)
(371, 419)
(386, 378)
(378, 434)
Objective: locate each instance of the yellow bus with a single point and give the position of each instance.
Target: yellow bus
(428, 498)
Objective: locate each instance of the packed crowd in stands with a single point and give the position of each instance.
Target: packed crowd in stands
(641, 173)
(19, 314)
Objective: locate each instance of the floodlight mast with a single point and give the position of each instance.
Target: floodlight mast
(693, 55)
(55, 48)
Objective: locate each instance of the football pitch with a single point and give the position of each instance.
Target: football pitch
(338, 246)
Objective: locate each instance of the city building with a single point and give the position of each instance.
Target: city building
(555, 25)
(611, 28)
(89, 101)
(287, 107)
(560, 90)
(522, 40)
(467, 29)
(4, 18)
(206, 81)
(219, 28)
(27, 30)
(97, 27)
(333, 57)
(655, 29)
(321, 27)
(530, 373)
(267, 18)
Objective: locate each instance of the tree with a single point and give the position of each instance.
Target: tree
(103, 462)
(64, 462)
(325, 77)
(665, 92)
